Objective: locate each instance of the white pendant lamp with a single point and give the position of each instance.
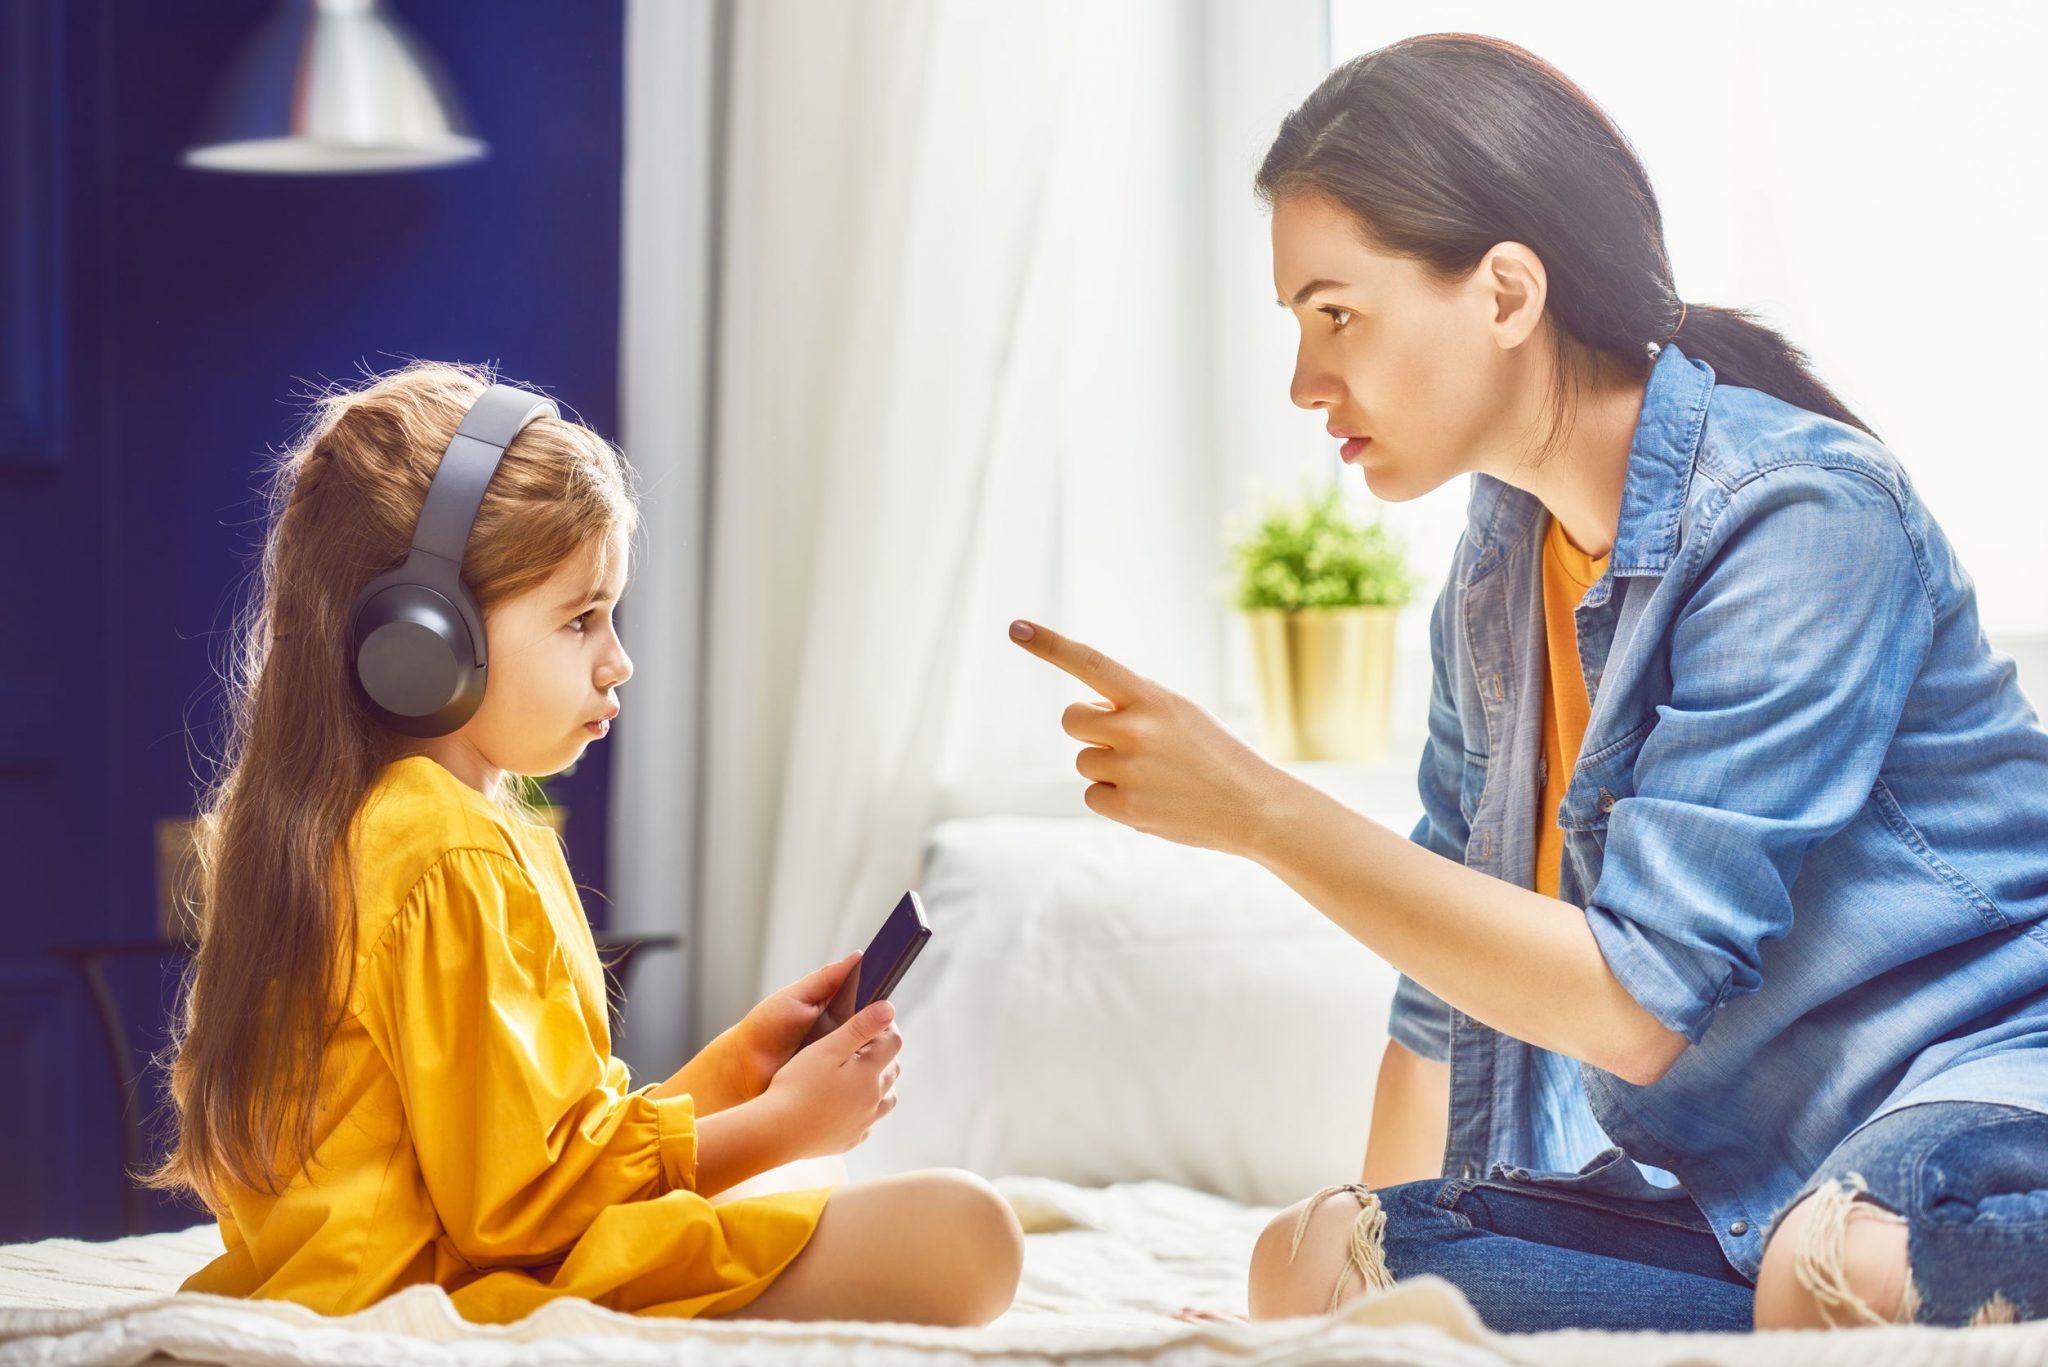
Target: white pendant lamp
(334, 87)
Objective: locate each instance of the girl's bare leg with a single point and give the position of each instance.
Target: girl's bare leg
(938, 1247)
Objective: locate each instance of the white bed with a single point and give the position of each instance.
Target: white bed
(1105, 1269)
(1140, 1026)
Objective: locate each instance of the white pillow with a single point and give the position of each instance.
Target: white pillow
(1101, 1006)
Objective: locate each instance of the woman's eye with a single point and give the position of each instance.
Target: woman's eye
(1337, 316)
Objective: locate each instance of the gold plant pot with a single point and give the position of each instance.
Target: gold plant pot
(1326, 681)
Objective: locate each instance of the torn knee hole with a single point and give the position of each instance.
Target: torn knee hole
(1367, 1253)
(1818, 1261)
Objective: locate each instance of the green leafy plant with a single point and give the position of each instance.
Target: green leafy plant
(1310, 554)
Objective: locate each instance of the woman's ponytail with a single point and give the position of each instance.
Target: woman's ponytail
(1744, 351)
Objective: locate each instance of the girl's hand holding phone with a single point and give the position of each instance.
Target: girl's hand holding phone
(830, 1095)
(768, 1094)
(750, 1054)
(822, 1102)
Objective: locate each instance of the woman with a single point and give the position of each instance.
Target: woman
(1724, 936)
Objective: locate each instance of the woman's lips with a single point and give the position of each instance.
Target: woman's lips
(1352, 449)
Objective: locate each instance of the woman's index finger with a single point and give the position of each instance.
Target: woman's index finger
(1112, 680)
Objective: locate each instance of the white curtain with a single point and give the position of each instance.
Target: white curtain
(668, 268)
(988, 283)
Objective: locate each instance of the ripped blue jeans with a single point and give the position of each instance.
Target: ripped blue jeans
(1971, 1180)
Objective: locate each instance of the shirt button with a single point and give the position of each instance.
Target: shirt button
(1739, 1228)
(1606, 800)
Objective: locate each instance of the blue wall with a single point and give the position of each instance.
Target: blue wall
(156, 322)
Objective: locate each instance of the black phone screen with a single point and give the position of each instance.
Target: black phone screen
(882, 965)
(889, 954)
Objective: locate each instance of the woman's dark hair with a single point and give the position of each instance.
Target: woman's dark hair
(1444, 145)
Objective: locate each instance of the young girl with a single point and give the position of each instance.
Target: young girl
(394, 1063)
(1725, 931)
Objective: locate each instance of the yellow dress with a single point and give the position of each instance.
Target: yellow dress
(474, 1128)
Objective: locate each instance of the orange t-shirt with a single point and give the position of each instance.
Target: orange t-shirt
(1567, 573)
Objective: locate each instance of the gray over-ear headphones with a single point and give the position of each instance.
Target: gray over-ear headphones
(416, 636)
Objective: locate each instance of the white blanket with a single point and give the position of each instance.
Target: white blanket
(1104, 1271)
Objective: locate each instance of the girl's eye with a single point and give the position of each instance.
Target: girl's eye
(577, 622)
(1337, 316)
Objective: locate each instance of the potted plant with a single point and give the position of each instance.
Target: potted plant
(1320, 593)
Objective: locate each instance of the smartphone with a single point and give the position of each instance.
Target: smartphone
(882, 964)
(889, 955)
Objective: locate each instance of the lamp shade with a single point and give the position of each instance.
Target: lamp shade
(333, 87)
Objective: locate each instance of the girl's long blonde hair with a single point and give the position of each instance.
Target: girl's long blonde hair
(275, 900)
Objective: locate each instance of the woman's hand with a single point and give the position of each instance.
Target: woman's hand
(830, 1095)
(1160, 763)
(751, 1053)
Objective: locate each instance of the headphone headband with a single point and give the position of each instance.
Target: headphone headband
(466, 467)
(416, 634)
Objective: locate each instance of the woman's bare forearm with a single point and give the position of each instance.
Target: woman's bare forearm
(1523, 963)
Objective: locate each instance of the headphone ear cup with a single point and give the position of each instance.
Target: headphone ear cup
(414, 661)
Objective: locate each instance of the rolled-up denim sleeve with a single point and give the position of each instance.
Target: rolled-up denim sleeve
(1791, 659)
(1419, 1018)
(1420, 1021)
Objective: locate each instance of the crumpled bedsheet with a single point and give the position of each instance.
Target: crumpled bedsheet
(1105, 1270)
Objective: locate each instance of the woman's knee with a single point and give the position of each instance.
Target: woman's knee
(1940, 1234)
(1837, 1258)
(1320, 1253)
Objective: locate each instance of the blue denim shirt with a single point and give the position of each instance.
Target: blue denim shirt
(1808, 824)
